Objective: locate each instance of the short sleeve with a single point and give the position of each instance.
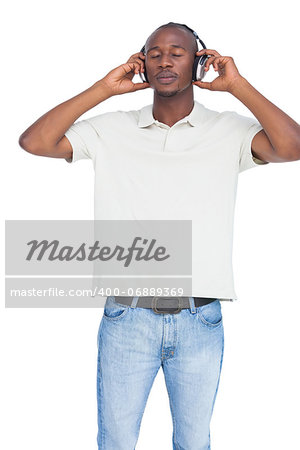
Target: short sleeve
(84, 138)
(249, 127)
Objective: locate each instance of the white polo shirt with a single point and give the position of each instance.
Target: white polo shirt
(146, 170)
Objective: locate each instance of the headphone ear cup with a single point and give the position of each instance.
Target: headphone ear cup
(195, 66)
(198, 67)
(143, 75)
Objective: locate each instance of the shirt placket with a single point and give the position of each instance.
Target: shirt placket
(169, 140)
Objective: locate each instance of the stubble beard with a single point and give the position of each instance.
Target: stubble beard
(166, 93)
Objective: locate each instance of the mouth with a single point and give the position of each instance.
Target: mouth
(166, 79)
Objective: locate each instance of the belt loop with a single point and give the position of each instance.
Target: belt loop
(192, 305)
(134, 302)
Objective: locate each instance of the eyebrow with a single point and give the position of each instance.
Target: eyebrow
(172, 45)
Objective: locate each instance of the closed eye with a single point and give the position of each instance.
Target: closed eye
(172, 55)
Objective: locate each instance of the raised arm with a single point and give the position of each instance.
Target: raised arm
(46, 136)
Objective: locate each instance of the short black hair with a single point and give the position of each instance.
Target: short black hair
(175, 24)
(178, 25)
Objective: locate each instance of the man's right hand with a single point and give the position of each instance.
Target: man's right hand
(119, 80)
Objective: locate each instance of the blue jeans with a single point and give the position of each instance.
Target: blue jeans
(133, 343)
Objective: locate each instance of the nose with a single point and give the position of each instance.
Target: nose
(165, 61)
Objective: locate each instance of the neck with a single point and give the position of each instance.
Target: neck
(170, 110)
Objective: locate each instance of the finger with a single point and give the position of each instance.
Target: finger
(131, 67)
(136, 59)
(209, 61)
(207, 51)
(137, 55)
(139, 64)
(142, 64)
(217, 62)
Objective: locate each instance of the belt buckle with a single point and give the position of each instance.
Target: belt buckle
(175, 311)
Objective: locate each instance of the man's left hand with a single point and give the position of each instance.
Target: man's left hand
(227, 70)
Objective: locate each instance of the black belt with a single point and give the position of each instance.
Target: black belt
(171, 305)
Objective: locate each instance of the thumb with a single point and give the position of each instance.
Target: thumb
(203, 84)
(139, 86)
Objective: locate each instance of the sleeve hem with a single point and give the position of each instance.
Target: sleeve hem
(247, 159)
(254, 159)
(76, 144)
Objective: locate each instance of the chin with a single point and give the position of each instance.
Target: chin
(166, 93)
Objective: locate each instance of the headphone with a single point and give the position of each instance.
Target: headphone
(198, 66)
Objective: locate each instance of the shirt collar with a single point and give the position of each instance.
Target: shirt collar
(194, 118)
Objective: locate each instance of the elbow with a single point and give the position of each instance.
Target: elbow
(26, 144)
(23, 141)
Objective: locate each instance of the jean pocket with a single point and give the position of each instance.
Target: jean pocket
(211, 314)
(114, 311)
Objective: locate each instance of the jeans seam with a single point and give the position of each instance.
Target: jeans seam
(220, 368)
(173, 418)
(100, 397)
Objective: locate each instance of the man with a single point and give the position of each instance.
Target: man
(170, 160)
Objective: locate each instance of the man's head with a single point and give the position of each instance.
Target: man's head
(170, 49)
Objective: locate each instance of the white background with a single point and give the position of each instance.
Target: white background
(51, 51)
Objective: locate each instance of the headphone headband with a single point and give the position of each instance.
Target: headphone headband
(188, 28)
